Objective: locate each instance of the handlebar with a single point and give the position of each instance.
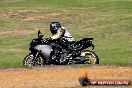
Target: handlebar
(40, 36)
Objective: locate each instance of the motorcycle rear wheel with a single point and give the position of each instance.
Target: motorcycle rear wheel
(90, 57)
(28, 61)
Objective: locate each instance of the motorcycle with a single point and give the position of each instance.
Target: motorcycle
(44, 51)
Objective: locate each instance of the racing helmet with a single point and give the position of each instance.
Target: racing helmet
(54, 26)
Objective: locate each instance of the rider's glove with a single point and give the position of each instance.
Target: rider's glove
(49, 39)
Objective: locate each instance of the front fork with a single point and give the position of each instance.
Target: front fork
(34, 60)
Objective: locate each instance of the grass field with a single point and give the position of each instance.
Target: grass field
(109, 22)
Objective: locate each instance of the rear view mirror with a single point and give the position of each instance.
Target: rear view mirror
(39, 32)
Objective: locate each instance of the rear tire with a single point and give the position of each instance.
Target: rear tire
(90, 57)
(28, 61)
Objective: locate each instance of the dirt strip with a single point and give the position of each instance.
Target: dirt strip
(60, 76)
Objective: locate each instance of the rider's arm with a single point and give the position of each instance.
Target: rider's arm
(60, 33)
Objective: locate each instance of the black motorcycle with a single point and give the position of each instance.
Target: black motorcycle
(45, 51)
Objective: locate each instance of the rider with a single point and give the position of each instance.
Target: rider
(61, 33)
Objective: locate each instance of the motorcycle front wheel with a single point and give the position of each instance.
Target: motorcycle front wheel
(29, 62)
(90, 57)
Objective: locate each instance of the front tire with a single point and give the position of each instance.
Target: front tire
(28, 61)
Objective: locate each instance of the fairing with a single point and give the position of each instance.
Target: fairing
(45, 51)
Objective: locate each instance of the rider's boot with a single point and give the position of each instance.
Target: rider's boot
(70, 59)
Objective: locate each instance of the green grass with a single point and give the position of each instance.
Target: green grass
(11, 59)
(109, 22)
(96, 5)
